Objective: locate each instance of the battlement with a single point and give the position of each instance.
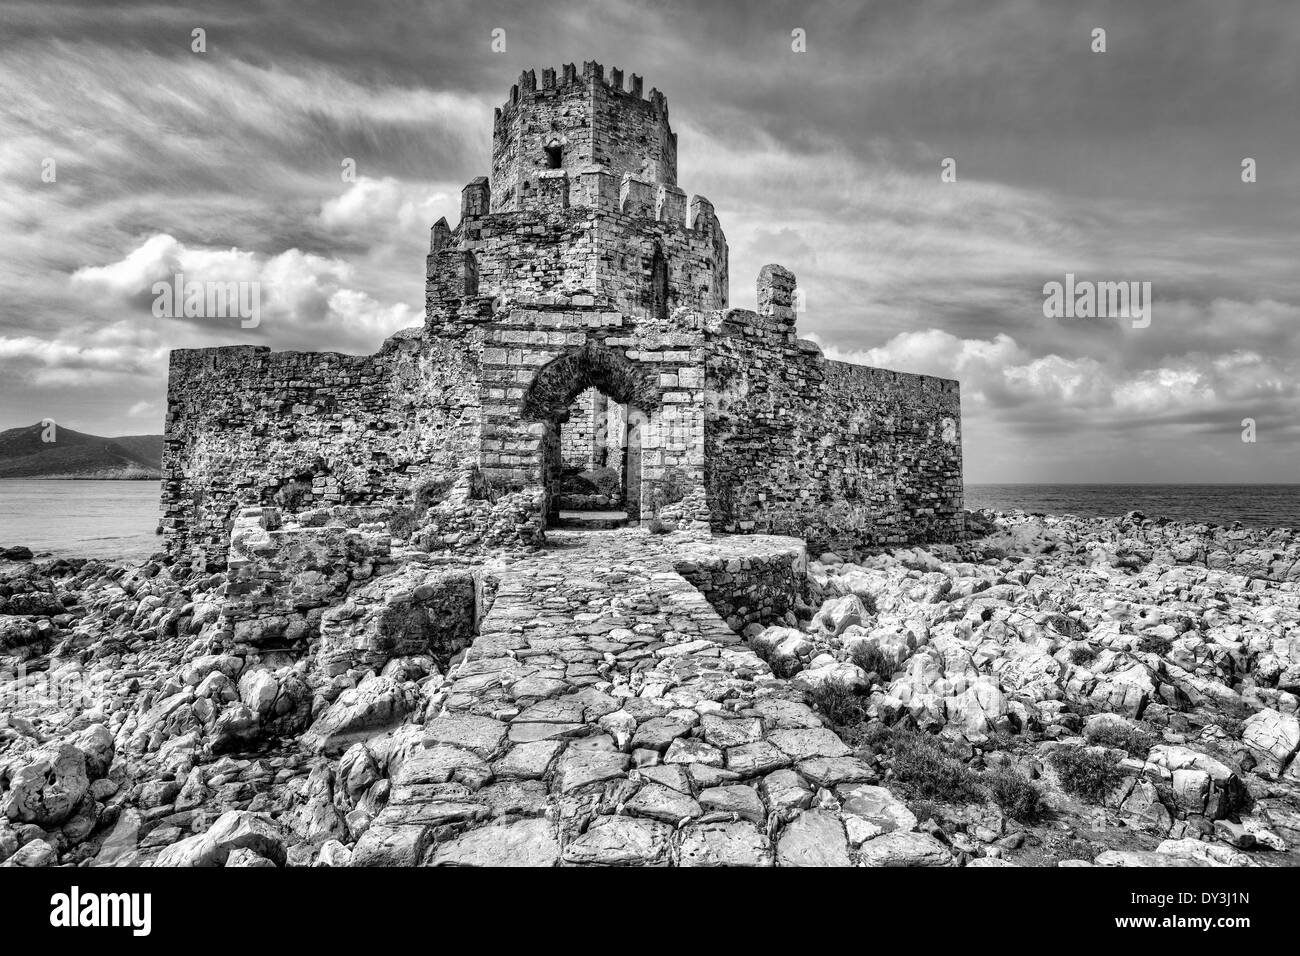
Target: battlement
(592, 73)
(575, 121)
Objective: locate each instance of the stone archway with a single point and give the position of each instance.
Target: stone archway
(553, 389)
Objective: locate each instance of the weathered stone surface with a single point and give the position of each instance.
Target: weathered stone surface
(45, 785)
(442, 764)
(901, 848)
(787, 790)
(724, 844)
(391, 846)
(814, 838)
(658, 733)
(528, 761)
(724, 732)
(578, 768)
(522, 843)
(833, 771)
(692, 750)
(1274, 738)
(621, 841)
(663, 803)
(376, 705)
(740, 800)
(759, 757)
(813, 742)
(237, 829)
(480, 735)
(872, 811)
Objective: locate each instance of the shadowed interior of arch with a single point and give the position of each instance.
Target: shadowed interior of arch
(594, 403)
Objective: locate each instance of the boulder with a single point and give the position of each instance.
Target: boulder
(96, 745)
(45, 786)
(902, 848)
(233, 830)
(376, 705)
(838, 614)
(1273, 737)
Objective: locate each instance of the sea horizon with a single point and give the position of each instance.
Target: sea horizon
(117, 519)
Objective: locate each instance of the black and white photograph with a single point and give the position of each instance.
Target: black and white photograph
(649, 434)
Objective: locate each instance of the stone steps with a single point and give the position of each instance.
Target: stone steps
(592, 520)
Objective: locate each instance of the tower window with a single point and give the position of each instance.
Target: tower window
(554, 152)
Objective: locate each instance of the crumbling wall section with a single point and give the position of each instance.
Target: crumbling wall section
(744, 590)
(845, 456)
(247, 426)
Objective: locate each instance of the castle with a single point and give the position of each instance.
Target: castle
(580, 284)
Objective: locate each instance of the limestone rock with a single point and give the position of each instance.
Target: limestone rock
(814, 838)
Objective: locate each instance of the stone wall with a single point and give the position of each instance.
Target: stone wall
(578, 434)
(754, 589)
(283, 575)
(844, 456)
(619, 258)
(247, 426)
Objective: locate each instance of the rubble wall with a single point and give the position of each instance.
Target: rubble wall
(609, 255)
(756, 589)
(248, 426)
(844, 456)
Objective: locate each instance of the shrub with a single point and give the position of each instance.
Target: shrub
(1082, 656)
(1129, 739)
(782, 667)
(1020, 799)
(1155, 644)
(1090, 774)
(840, 705)
(293, 495)
(927, 773)
(919, 763)
(925, 810)
(404, 522)
(872, 660)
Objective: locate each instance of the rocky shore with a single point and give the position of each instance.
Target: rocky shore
(1052, 691)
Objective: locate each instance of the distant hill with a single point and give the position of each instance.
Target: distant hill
(77, 455)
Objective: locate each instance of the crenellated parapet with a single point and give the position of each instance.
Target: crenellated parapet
(577, 120)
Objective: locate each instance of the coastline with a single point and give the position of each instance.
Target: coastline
(983, 703)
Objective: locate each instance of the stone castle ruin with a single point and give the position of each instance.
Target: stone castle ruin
(578, 350)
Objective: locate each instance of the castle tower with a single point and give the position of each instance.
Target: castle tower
(582, 207)
(575, 122)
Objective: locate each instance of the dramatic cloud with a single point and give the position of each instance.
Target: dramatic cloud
(1124, 166)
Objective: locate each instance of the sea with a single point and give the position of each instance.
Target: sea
(116, 520)
(1255, 506)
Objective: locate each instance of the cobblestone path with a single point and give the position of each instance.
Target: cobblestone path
(607, 715)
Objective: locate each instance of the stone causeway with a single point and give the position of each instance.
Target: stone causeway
(606, 714)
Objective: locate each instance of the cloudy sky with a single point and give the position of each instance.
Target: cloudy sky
(1117, 166)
